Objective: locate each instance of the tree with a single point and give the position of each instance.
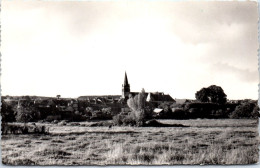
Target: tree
(213, 94)
(7, 112)
(203, 95)
(137, 106)
(246, 110)
(26, 112)
(26, 98)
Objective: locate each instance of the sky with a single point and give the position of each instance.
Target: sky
(77, 48)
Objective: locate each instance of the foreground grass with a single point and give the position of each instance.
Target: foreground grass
(230, 142)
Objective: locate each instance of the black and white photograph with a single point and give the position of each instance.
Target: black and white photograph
(129, 82)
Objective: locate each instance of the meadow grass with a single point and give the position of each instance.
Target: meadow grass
(230, 142)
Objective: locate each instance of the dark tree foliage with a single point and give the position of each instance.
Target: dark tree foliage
(7, 112)
(246, 110)
(165, 106)
(26, 114)
(203, 95)
(213, 94)
(180, 114)
(26, 111)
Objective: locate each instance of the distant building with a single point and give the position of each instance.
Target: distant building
(159, 97)
(154, 97)
(125, 88)
(96, 99)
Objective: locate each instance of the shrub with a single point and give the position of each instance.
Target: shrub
(129, 120)
(51, 118)
(25, 129)
(208, 110)
(106, 110)
(89, 110)
(118, 119)
(125, 120)
(78, 117)
(194, 112)
(180, 114)
(246, 110)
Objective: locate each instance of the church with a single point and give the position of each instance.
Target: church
(153, 97)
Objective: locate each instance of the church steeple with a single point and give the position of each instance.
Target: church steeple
(125, 87)
(126, 80)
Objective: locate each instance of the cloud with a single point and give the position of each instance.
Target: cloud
(243, 75)
(177, 47)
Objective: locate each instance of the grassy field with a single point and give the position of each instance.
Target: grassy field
(203, 142)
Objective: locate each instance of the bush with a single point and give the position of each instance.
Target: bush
(202, 105)
(246, 110)
(208, 110)
(124, 120)
(180, 114)
(78, 117)
(101, 115)
(51, 118)
(118, 119)
(89, 110)
(129, 120)
(25, 129)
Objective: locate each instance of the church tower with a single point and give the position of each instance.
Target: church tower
(125, 88)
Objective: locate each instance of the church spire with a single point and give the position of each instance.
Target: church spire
(126, 80)
(125, 87)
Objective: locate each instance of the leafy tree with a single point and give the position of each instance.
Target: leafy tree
(26, 112)
(132, 104)
(203, 95)
(25, 115)
(213, 94)
(140, 111)
(137, 106)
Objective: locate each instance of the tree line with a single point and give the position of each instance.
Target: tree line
(211, 102)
